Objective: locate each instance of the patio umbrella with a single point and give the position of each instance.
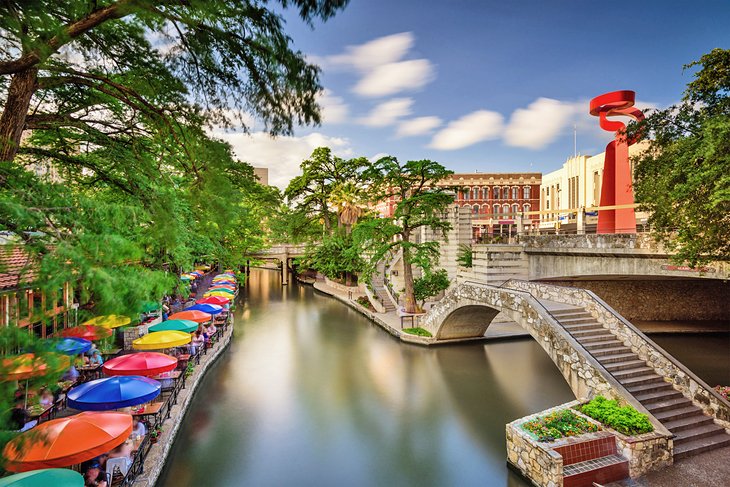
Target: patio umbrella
(194, 315)
(161, 339)
(187, 326)
(140, 363)
(67, 441)
(58, 477)
(149, 306)
(113, 393)
(73, 346)
(218, 294)
(211, 309)
(225, 289)
(219, 300)
(185, 278)
(89, 332)
(28, 365)
(109, 321)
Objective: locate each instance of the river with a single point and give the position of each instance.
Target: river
(312, 393)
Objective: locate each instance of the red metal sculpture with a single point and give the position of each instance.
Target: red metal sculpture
(616, 189)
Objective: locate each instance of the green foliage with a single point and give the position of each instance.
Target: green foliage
(623, 419)
(683, 178)
(418, 331)
(430, 285)
(365, 303)
(558, 425)
(335, 257)
(420, 203)
(464, 255)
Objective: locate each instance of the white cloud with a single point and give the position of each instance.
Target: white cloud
(468, 130)
(539, 124)
(391, 78)
(381, 66)
(383, 50)
(387, 113)
(417, 126)
(282, 155)
(334, 108)
(377, 157)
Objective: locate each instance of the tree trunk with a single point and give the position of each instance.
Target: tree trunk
(12, 121)
(409, 298)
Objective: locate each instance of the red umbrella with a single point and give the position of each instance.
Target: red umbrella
(140, 363)
(219, 300)
(67, 441)
(193, 315)
(89, 332)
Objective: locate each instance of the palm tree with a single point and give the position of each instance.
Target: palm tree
(348, 198)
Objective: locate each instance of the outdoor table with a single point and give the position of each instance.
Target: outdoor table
(111, 352)
(89, 372)
(173, 374)
(148, 410)
(403, 316)
(37, 411)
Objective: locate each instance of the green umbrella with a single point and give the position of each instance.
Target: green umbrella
(175, 325)
(58, 477)
(149, 306)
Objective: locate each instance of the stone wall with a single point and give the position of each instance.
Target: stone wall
(593, 241)
(359, 289)
(645, 453)
(534, 460)
(691, 386)
(662, 300)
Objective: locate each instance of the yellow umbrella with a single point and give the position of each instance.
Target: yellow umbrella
(109, 321)
(220, 294)
(161, 339)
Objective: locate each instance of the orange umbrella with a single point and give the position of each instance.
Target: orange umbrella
(67, 441)
(28, 365)
(193, 315)
(89, 332)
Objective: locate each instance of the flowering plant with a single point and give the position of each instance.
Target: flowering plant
(724, 391)
(559, 424)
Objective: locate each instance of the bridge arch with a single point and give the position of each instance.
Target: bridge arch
(467, 321)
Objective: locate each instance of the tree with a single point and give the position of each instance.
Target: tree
(336, 257)
(420, 203)
(430, 285)
(348, 198)
(321, 174)
(683, 178)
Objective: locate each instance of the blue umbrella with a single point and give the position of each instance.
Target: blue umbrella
(73, 346)
(113, 393)
(211, 309)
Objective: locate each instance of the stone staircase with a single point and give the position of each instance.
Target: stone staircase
(378, 285)
(591, 459)
(695, 432)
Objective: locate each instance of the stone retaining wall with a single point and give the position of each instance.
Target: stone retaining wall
(155, 461)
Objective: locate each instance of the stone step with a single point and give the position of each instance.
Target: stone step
(568, 311)
(668, 404)
(591, 339)
(697, 432)
(626, 364)
(600, 471)
(686, 423)
(609, 344)
(596, 330)
(582, 327)
(700, 445)
(615, 350)
(622, 375)
(675, 414)
(618, 357)
(577, 320)
(655, 386)
(641, 380)
(652, 397)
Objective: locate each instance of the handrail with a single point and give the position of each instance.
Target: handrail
(643, 337)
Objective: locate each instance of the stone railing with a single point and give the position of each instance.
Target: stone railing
(359, 289)
(374, 300)
(643, 241)
(683, 379)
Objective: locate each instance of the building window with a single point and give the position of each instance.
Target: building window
(465, 194)
(475, 210)
(505, 193)
(515, 193)
(526, 192)
(526, 207)
(496, 192)
(505, 209)
(485, 193)
(475, 193)
(496, 208)
(515, 209)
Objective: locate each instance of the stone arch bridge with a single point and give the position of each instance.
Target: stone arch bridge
(597, 351)
(282, 253)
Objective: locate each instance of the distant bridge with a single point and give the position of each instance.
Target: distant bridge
(282, 253)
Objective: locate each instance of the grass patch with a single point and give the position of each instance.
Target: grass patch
(624, 419)
(558, 425)
(417, 331)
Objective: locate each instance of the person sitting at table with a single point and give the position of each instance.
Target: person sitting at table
(95, 476)
(138, 427)
(46, 400)
(197, 342)
(71, 374)
(96, 358)
(210, 329)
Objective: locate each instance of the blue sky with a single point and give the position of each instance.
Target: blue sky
(489, 86)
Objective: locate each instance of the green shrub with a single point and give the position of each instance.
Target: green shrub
(559, 424)
(623, 419)
(417, 331)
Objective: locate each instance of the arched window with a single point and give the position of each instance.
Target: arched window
(526, 192)
(505, 193)
(466, 193)
(515, 192)
(515, 210)
(485, 193)
(497, 208)
(505, 209)
(526, 207)
(496, 192)
(475, 209)
(485, 210)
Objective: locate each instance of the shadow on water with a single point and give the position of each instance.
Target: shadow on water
(313, 393)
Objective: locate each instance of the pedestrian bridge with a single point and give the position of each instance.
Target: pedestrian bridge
(597, 351)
